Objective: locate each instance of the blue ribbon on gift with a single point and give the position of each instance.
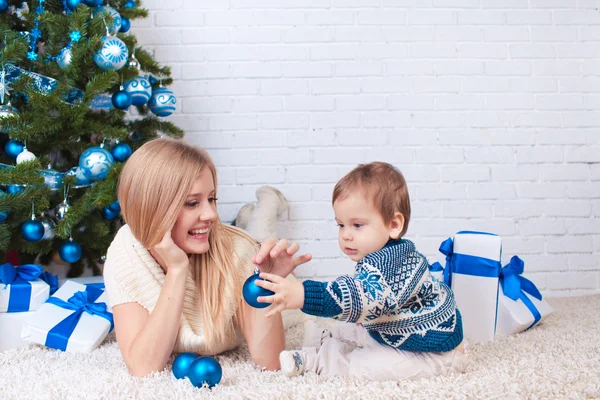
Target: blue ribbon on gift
(516, 286)
(19, 278)
(466, 264)
(80, 302)
(436, 267)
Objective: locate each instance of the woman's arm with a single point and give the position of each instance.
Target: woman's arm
(147, 340)
(265, 337)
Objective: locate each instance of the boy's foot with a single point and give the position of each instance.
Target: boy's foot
(293, 362)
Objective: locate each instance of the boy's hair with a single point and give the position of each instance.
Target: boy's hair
(381, 183)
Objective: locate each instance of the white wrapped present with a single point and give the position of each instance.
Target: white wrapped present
(520, 305)
(25, 287)
(95, 281)
(10, 329)
(76, 319)
(472, 270)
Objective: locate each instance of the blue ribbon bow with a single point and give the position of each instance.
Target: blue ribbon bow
(19, 278)
(515, 286)
(80, 302)
(435, 267)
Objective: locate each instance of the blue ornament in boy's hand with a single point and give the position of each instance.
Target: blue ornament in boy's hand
(182, 363)
(205, 370)
(251, 292)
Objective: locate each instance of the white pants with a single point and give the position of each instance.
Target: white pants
(348, 350)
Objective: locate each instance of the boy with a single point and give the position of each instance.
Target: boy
(393, 302)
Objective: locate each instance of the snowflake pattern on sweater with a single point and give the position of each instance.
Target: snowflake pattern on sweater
(393, 295)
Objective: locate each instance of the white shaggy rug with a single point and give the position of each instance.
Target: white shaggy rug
(556, 360)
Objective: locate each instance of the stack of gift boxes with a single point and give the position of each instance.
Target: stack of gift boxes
(35, 307)
(493, 300)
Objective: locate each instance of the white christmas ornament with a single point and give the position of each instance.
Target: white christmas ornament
(25, 155)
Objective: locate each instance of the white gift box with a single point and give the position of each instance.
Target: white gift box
(87, 335)
(40, 291)
(84, 280)
(475, 266)
(10, 329)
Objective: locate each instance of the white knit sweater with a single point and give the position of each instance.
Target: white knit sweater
(131, 274)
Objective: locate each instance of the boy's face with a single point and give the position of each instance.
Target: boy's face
(361, 226)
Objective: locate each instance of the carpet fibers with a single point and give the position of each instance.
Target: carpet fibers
(559, 359)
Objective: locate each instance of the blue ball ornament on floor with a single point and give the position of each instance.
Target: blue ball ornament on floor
(182, 363)
(3, 5)
(121, 100)
(13, 148)
(162, 103)
(121, 151)
(251, 292)
(32, 230)
(205, 370)
(70, 252)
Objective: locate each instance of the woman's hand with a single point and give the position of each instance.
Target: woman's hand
(169, 255)
(288, 293)
(277, 257)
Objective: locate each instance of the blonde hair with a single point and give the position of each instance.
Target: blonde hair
(153, 187)
(381, 183)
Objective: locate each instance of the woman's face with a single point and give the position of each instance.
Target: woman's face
(196, 218)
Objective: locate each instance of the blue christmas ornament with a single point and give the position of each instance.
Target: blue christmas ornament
(125, 25)
(3, 5)
(93, 3)
(130, 4)
(70, 251)
(251, 292)
(64, 58)
(3, 214)
(182, 363)
(205, 370)
(162, 103)
(53, 179)
(115, 26)
(115, 206)
(72, 4)
(32, 230)
(14, 189)
(121, 100)
(95, 163)
(112, 55)
(140, 90)
(121, 151)
(109, 214)
(13, 148)
(82, 180)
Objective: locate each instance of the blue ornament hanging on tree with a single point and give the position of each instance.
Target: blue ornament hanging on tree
(95, 162)
(162, 103)
(125, 25)
(109, 214)
(115, 206)
(52, 178)
(13, 148)
(115, 26)
(130, 4)
(14, 189)
(205, 370)
(93, 3)
(112, 55)
(121, 151)
(181, 364)
(64, 58)
(121, 99)
(32, 230)
(70, 251)
(72, 4)
(3, 5)
(140, 90)
(251, 292)
(3, 213)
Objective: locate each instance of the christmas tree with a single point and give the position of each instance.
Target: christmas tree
(77, 97)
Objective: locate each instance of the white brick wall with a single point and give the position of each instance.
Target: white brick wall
(490, 107)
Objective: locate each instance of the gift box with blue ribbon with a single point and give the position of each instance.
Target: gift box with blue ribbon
(25, 287)
(75, 319)
(472, 271)
(521, 305)
(10, 329)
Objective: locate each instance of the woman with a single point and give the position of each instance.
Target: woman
(174, 273)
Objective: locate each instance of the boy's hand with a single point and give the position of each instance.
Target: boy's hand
(288, 293)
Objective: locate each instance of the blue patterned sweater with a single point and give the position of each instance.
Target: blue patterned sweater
(393, 295)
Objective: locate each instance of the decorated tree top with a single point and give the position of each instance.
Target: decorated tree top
(77, 97)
